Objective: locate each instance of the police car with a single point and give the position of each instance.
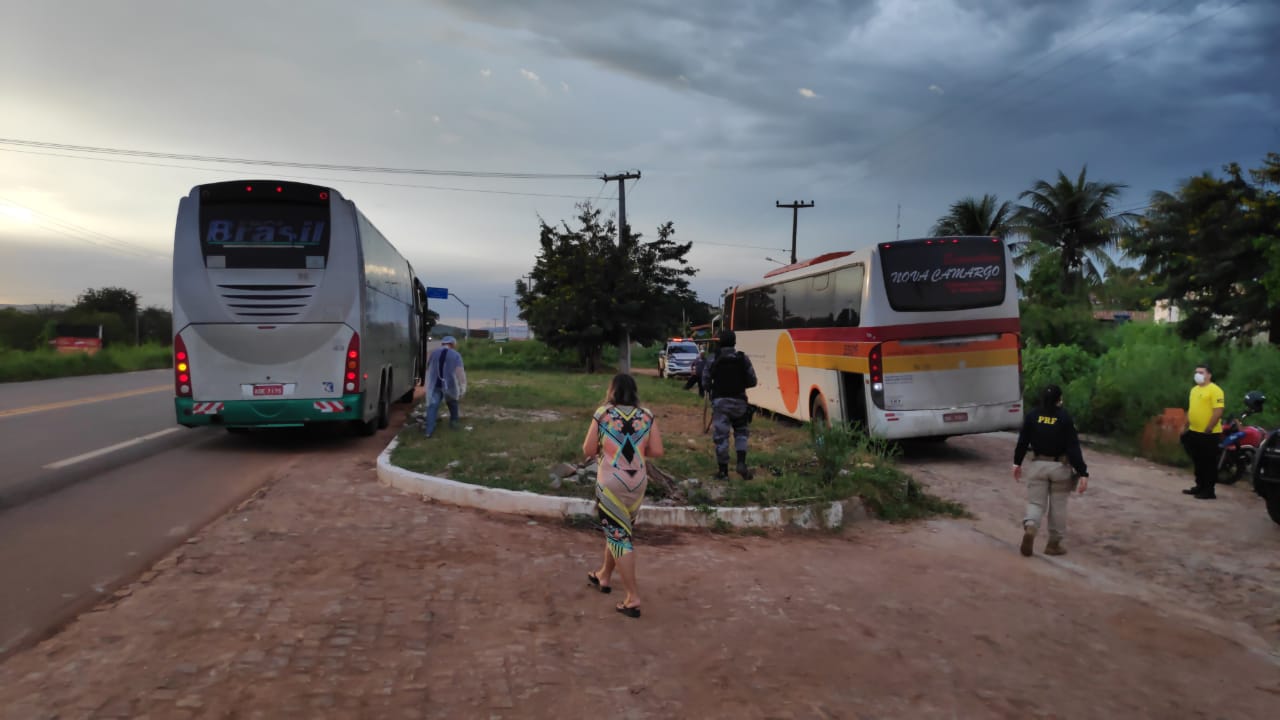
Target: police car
(677, 358)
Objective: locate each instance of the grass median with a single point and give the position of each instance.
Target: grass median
(517, 424)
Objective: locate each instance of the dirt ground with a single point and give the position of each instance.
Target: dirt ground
(331, 596)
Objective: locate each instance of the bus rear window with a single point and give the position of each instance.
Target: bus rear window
(263, 225)
(943, 273)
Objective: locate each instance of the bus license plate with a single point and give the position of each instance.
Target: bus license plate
(955, 417)
(268, 390)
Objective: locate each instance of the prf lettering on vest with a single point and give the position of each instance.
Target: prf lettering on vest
(1048, 420)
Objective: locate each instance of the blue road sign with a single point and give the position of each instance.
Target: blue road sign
(437, 293)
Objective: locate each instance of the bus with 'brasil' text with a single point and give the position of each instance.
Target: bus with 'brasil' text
(911, 339)
(290, 309)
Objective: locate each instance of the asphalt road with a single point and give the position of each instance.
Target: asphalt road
(57, 432)
(97, 482)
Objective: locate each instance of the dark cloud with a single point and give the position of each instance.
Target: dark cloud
(1035, 69)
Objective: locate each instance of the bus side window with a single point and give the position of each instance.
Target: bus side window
(741, 312)
(848, 295)
(764, 310)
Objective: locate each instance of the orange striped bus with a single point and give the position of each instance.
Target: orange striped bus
(911, 339)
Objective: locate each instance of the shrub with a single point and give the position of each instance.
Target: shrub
(1255, 367)
(42, 364)
(515, 355)
(1146, 371)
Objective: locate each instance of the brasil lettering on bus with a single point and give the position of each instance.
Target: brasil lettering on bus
(264, 232)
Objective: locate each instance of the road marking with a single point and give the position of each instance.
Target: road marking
(82, 401)
(110, 449)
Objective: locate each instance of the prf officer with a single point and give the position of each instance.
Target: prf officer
(1057, 468)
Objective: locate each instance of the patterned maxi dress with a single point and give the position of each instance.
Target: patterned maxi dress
(621, 478)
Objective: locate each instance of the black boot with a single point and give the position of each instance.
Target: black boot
(724, 472)
(742, 468)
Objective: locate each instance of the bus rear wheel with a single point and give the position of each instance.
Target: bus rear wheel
(818, 411)
(384, 406)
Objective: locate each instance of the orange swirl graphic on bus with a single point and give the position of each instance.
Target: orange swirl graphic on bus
(788, 372)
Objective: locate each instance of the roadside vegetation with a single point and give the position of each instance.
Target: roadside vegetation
(520, 423)
(1141, 369)
(19, 365)
(134, 337)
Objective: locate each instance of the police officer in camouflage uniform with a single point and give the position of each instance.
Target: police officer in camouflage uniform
(727, 378)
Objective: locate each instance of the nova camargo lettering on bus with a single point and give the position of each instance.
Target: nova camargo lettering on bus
(943, 274)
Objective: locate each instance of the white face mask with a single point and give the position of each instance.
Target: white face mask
(1199, 377)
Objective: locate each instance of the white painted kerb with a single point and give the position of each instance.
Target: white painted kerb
(519, 502)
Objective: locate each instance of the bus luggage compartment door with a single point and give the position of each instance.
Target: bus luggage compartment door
(938, 374)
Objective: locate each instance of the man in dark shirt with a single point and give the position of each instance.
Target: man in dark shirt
(1057, 467)
(727, 378)
(695, 373)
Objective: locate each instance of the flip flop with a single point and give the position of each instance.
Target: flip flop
(591, 578)
(629, 610)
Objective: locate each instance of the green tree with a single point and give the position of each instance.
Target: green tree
(1126, 288)
(1267, 205)
(1074, 222)
(155, 325)
(1212, 245)
(115, 300)
(1052, 316)
(430, 319)
(971, 216)
(589, 289)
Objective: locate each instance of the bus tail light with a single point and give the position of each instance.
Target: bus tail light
(351, 367)
(875, 367)
(181, 368)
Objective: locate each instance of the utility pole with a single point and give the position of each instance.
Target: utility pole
(622, 178)
(795, 219)
(624, 233)
(504, 311)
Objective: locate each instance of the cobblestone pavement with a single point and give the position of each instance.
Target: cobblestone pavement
(332, 596)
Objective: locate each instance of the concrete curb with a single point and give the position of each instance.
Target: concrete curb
(519, 502)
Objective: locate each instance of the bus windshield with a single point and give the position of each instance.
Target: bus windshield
(270, 225)
(943, 274)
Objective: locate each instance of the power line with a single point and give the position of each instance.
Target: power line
(283, 163)
(75, 232)
(294, 177)
(72, 227)
(748, 247)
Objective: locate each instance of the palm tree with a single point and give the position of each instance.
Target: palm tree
(1073, 224)
(972, 216)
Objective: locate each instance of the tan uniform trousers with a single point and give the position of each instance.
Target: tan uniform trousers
(1049, 484)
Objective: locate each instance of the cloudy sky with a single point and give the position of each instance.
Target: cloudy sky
(859, 105)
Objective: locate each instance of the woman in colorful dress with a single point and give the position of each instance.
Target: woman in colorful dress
(622, 435)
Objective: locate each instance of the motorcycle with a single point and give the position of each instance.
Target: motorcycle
(1239, 446)
(1266, 473)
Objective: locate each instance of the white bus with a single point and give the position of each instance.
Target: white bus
(289, 308)
(912, 338)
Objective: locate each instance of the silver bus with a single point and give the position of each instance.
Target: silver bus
(289, 308)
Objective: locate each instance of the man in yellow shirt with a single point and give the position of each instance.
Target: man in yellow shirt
(1200, 437)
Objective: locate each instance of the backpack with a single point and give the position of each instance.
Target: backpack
(729, 377)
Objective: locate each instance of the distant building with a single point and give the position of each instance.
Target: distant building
(1122, 316)
(1167, 312)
